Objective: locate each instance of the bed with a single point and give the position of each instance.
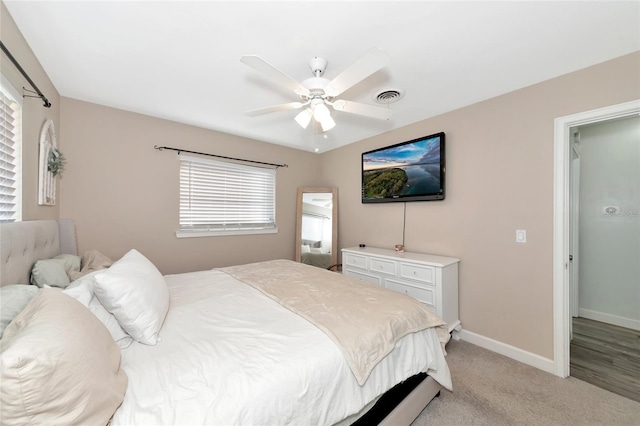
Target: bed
(313, 253)
(234, 347)
(321, 260)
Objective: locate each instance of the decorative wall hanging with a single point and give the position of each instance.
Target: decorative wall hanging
(51, 164)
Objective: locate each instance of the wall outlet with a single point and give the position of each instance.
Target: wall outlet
(521, 235)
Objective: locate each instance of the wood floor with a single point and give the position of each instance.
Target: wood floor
(606, 356)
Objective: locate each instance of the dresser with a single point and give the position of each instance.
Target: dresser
(431, 279)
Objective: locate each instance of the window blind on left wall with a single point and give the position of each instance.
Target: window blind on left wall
(10, 153)
(222, 198)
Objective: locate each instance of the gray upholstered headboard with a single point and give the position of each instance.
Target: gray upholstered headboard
(23, 243)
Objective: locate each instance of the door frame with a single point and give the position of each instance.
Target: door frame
(574, 249)
(562, 221)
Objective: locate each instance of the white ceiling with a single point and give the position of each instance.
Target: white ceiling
(181, 60)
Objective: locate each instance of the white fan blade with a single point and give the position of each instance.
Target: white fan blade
(273, 73)
(362, 109)
(371, 62)
(275, 108)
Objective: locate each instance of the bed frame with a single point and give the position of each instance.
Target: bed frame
(401, 404)
(23, 243)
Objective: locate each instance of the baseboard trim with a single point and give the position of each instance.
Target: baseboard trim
(507, 350)
(609, 319)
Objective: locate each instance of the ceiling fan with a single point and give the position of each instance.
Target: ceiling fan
(317, 93)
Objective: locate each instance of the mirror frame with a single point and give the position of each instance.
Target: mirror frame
(334, 221)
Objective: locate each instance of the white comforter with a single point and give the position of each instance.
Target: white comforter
(229, 355)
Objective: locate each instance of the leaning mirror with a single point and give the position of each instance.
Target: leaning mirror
(317, 227)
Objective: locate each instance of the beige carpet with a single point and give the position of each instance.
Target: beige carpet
(490, 389)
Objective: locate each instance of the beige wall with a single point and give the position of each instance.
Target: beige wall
(34, 114)
(499, 179)
(123, 194)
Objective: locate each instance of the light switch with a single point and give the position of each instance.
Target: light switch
(521, 235)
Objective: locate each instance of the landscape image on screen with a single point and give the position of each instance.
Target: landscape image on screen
(404, 170)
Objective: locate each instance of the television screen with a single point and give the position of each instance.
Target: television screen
(408, 171)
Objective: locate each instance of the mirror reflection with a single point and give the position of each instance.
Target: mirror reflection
(317, 227)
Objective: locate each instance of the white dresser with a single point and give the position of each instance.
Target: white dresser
(433, 280)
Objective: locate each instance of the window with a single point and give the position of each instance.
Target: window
(220, 198)
(10, 153)
(315, 227)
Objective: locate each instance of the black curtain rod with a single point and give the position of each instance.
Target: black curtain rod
(160, 148)
(47, 104)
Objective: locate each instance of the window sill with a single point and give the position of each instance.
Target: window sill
(197, 234)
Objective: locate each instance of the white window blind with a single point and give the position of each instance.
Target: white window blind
(10, 153)
(312, 227)
(221, 198)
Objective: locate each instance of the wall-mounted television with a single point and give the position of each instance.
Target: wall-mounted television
(408, 171)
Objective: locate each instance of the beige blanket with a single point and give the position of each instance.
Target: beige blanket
(92, 260)
(364, 320)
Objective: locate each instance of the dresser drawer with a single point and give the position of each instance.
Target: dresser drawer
(371, 279)
(355, 261)
(425, 274)
(383, 266)
(424, 294)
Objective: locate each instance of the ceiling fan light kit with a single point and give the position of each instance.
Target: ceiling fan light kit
(304, 117)
(317, 93)
(327, 123)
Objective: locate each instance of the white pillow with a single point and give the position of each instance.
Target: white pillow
(305, 249)
(83, 290)
(58, 365)
(135, 292)
(316, 250)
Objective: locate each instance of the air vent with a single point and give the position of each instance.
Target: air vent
(388, 96)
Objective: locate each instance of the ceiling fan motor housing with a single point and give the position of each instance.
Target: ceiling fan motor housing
(318, 65)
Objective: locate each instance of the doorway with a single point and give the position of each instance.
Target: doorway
(605, 255)
(562, 222)
(605, 240)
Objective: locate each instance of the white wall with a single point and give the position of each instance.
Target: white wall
(609, 283)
